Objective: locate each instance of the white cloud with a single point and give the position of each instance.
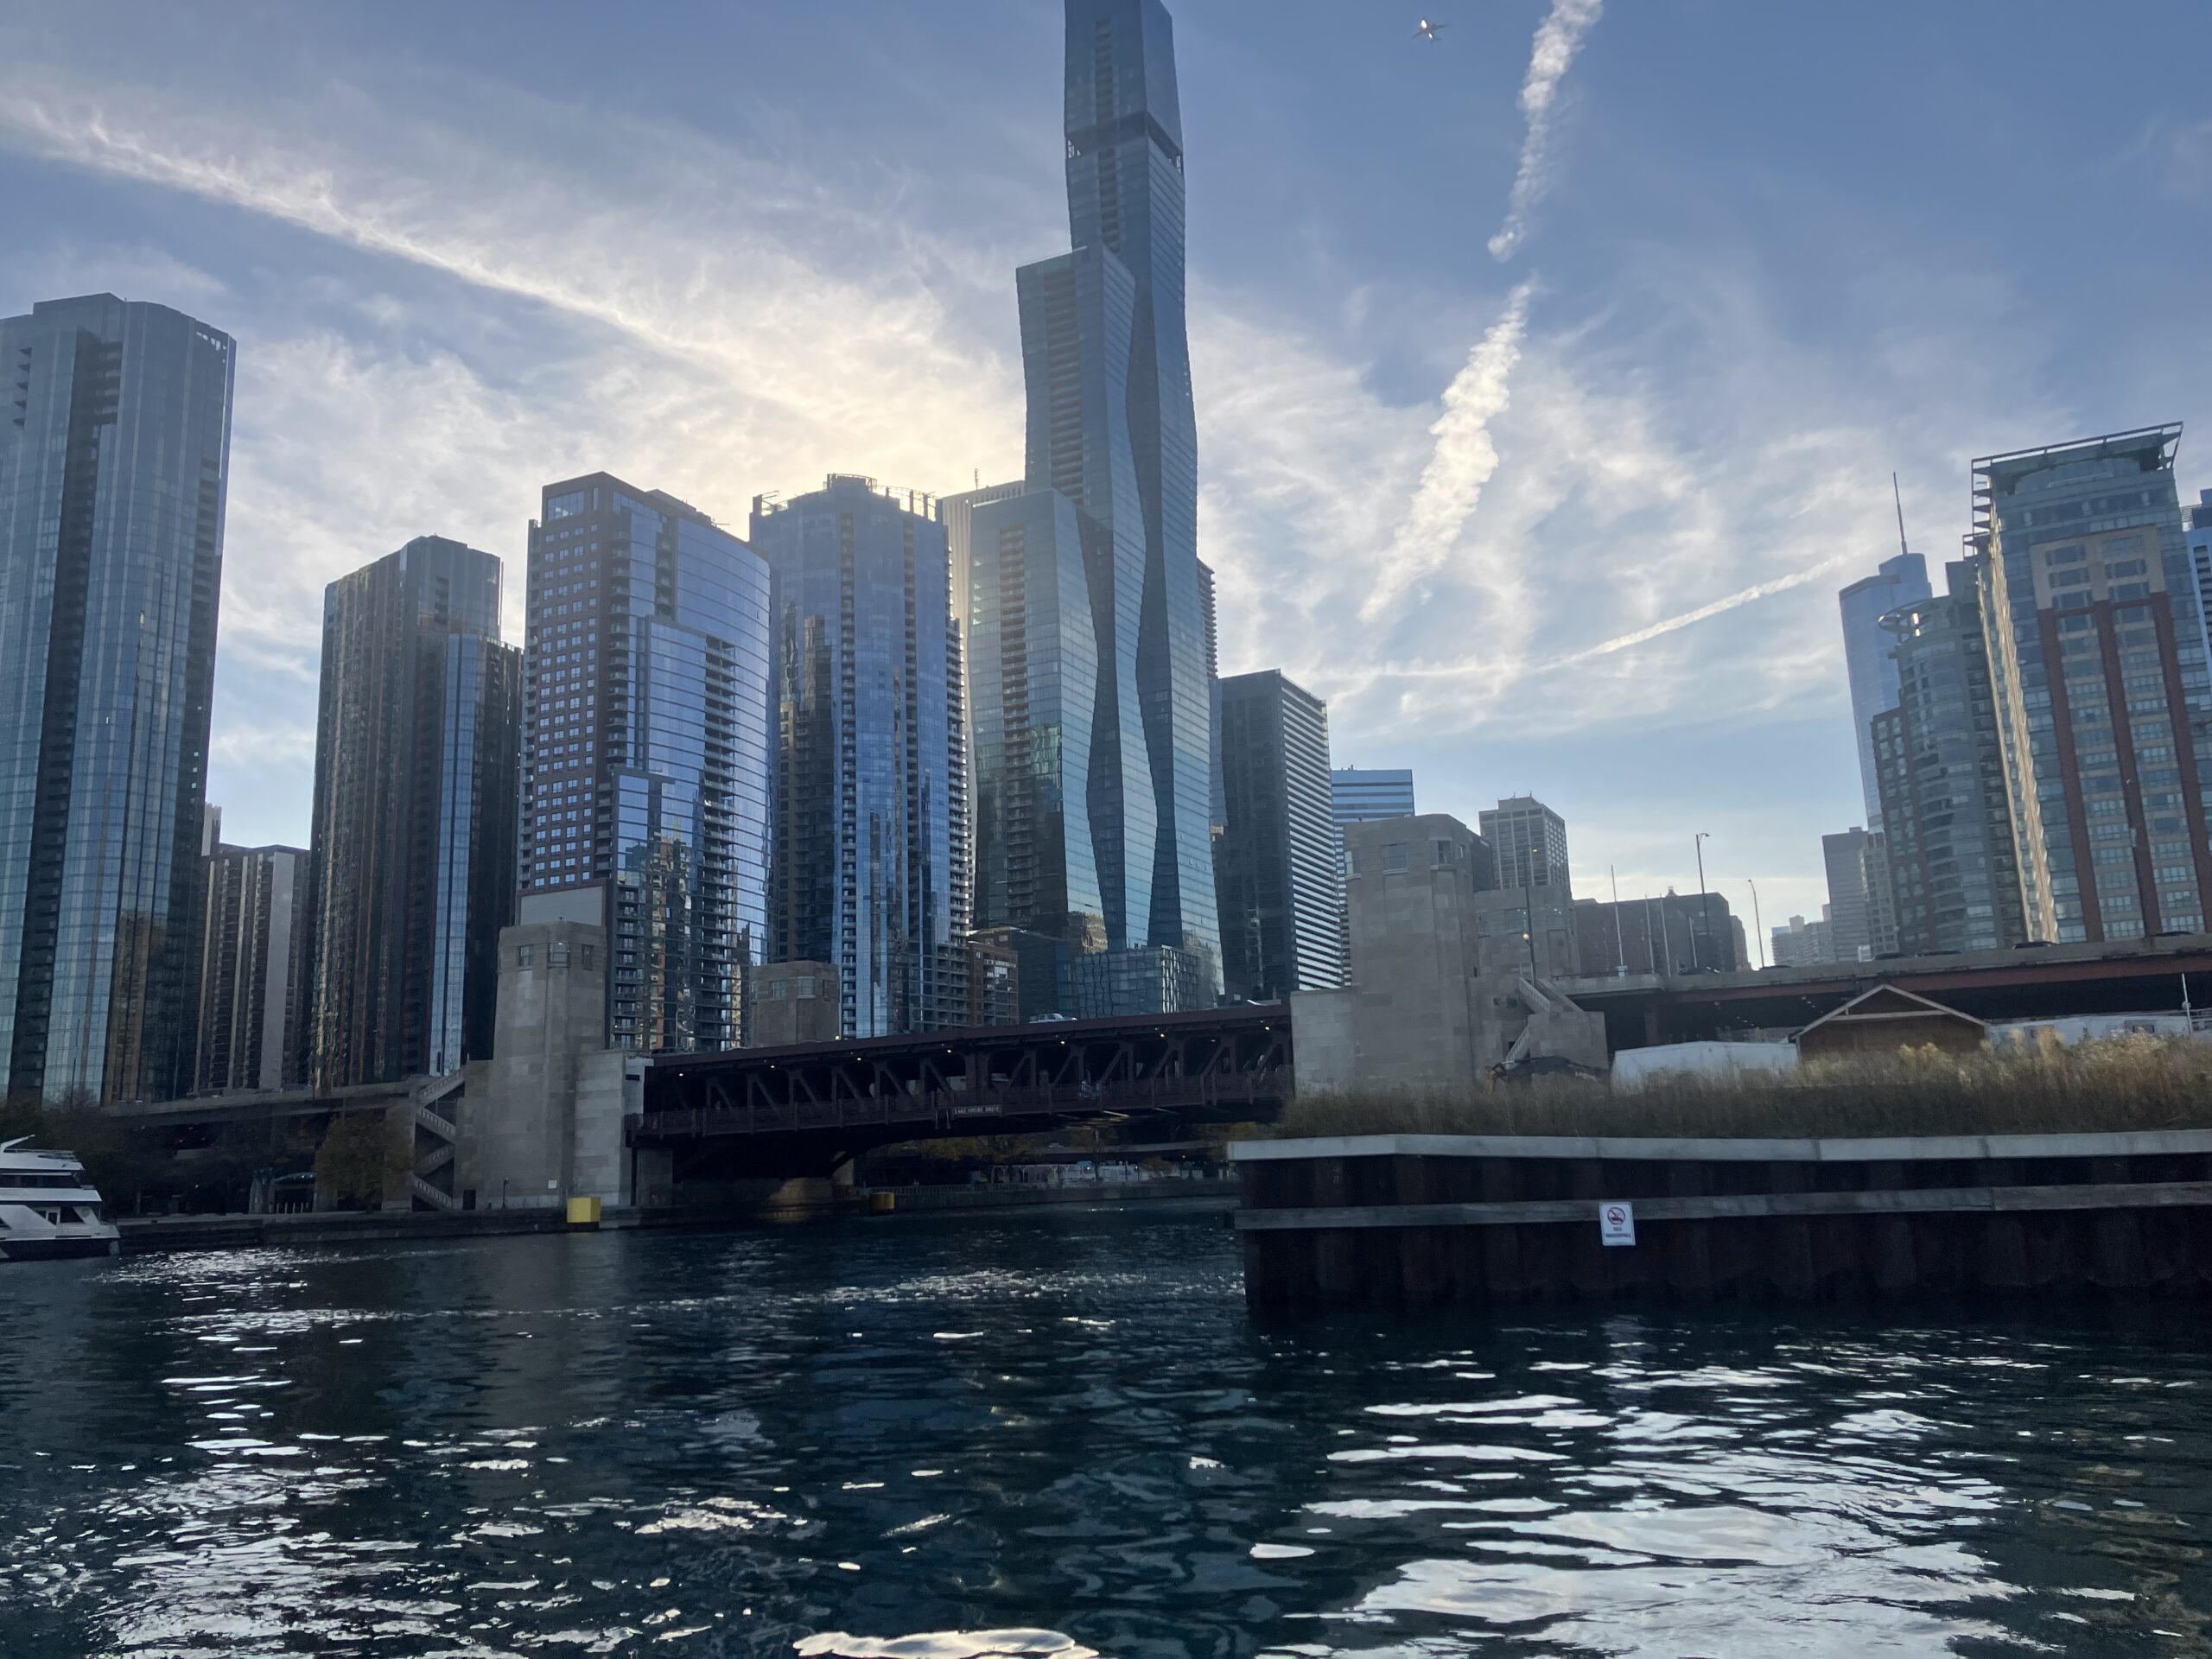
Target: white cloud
(1652, 543)
(264, 746)
(501, 294)
(713, 261)
(1558, 38)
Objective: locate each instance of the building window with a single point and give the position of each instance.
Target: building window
(525, 956)
(1397, 855)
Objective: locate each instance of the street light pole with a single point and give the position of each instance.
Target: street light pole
(1758, 922)
(1704, 905)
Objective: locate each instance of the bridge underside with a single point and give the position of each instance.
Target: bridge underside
(755, 1112)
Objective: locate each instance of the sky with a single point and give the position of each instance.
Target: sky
(1550, 377)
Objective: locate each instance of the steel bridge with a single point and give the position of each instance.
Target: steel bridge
(806, 1109)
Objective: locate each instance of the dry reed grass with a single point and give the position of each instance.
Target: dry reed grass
(2131, 1082)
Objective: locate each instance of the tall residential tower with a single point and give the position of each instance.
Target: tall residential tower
(1528, 841)
(870, 865)
(1867, 655)
(1111, 428)
(1032, 677)
(1279, 865)
(414, 842)
(647, 753)
(1953, 861)
(2098, 670)
(254, 970)
(113, 466)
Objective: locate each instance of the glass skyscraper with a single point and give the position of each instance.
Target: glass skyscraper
(416, 759)
(1953, 860)
(2098, 669)
(871, 845)
(113, 466)
(956, 514)
(1867, 658)
(1364, 794)
(1279, 865)
(646, 753)
(1032, 677)
(2199, 533)
(1111, 427)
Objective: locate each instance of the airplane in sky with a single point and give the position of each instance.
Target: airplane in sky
(1428, 30)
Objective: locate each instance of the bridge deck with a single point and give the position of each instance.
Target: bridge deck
(1220, 1063)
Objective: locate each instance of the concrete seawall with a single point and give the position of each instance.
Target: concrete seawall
(915, 1200)
(162, 1235)
(1414, 1220)
(776, 1203)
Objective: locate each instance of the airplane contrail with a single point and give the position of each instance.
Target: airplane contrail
(1619, 642)
(1464, 457)
(1558, 38)
(1463, 460)
(1759, 590)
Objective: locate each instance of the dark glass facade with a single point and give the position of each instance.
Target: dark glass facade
(417, 751)
(1867, 658)
(1140, 980)
(647, 753)
(114, 455)
(1364, 794)
(1111, 427)
(1279, 864)
(870, 865)
(1032, 677)
(1948, 834)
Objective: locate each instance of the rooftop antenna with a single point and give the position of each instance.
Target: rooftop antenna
(1898, 498)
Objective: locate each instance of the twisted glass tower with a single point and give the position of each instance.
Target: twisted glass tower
(1111, 427)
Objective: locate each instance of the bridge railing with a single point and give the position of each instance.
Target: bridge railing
(956, 1111)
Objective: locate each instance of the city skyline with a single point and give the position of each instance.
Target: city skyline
(408, 306)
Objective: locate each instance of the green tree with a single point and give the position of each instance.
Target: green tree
(122, 1161)
(22, 1116)
(361, 1159)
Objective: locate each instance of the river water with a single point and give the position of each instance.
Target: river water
(1048, 1432)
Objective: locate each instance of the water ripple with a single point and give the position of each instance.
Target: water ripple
(1053, 1436)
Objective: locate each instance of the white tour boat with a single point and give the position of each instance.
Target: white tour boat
(49, 1208)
